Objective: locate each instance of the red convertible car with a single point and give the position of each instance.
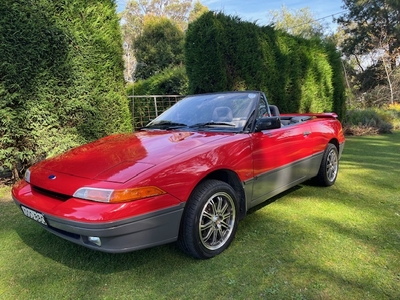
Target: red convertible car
(189, 176)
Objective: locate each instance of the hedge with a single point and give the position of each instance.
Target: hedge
(299, 75)
(61, 77)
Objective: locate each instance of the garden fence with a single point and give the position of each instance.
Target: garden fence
(146, 108)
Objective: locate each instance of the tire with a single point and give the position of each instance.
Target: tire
(329, 167)
(209, 221)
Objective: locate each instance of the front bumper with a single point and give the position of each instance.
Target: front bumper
(139, 232)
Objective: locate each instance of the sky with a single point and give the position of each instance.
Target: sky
(258, 10)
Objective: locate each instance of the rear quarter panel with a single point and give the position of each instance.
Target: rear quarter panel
(326, 130)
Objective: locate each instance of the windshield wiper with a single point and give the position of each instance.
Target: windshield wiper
(165, 125)
(211, 124)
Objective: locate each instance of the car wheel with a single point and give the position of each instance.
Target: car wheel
(210, 220)
(329, 168)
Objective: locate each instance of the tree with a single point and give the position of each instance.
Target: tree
(158, 47)
(371, 24)
(197, 11)
(61, 78)
(133, 18)
(136, 10)
(300, 22)
(373, 28)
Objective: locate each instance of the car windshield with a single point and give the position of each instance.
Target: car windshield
(210, 112)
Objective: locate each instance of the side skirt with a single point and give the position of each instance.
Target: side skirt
(272, 183)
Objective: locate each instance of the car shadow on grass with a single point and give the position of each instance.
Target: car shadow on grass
(274, 199)
(79, 257)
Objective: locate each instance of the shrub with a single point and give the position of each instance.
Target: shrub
(366, 122)
(394, 111)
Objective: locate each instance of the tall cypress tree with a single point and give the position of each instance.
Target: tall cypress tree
(299, 75)
(61, 77)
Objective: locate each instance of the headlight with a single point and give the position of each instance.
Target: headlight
(117, 196)
(27, 176)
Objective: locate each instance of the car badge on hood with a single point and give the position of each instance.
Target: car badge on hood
(52, 177)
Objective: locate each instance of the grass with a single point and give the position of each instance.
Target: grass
(341, 242)
(4, 193)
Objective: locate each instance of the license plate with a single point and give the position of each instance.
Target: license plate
(34, 215)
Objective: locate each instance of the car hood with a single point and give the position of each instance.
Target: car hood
(118, 158)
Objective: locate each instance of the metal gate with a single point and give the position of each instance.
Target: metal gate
(147, 108)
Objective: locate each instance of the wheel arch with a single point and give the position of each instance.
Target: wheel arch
(231, 178)
(335, 142)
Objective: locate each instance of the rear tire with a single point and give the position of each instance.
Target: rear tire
(209, 221)
(329, 167)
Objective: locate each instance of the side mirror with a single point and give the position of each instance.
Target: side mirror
(267, 123)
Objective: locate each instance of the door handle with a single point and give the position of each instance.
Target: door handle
(306, 133)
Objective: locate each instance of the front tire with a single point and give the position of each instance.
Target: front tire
(210, 220)
(329, 167)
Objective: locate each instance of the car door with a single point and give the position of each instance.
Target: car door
(280, 159)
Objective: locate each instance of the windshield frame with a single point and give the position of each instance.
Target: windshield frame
(221, 112)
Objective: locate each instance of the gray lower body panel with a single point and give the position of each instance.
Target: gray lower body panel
(272, 183)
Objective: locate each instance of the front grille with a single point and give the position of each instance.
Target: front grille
(51, 194)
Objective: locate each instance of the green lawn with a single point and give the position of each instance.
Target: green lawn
(341, 242)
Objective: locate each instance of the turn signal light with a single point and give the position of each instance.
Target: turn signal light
(117, 196)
